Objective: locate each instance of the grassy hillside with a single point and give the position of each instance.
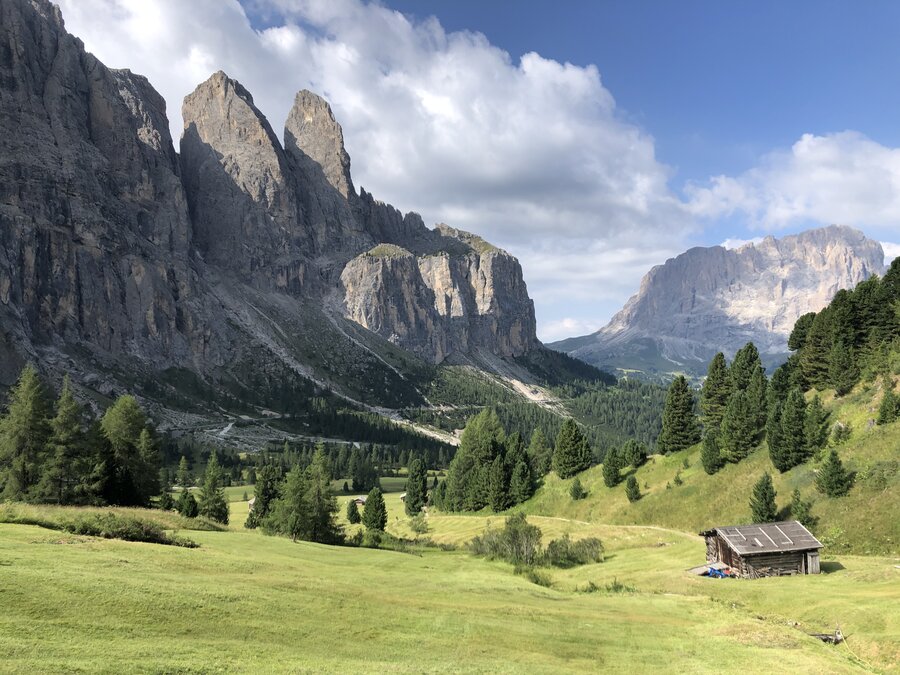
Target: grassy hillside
(865, 521)
(244, 602)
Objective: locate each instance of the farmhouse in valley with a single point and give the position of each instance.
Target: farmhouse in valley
(764, 550)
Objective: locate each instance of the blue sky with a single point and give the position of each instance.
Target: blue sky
(592, 140)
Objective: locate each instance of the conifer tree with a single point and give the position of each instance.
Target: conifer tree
(468, 479)
(576, 490)
(290, 513)
(183, 477)
(540, 454)
(762, 501)
(122, 425)
(774, 438)
(572, 454)
(353, 512)
(321, 504)
(816, 427)
(187, 505)
(416, 487)
(746, 362)
(890, 406)
(634, 453)
(715, 393)
(166, 503)
(842, 369)
(24, 432)
(212, 503)
(499, 485)
(793, 446)
(801, 511)
(780, 385)
(147, 476)
(738, 436)
(66, 477)
(521, 485)
(710, 456)
(833, 479)
(374, 515)
(268, 482)
(611, 468)
(757, 395)
(679, 424)
(632, 491)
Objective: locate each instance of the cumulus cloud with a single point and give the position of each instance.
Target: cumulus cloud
(738, 243)
(891, 251)
(531, 153)
(837, 178)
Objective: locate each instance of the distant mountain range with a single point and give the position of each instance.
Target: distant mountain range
(711, 299)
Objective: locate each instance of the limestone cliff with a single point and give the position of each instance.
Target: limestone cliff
(711, 299)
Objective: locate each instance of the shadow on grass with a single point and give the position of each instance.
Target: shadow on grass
(832, 566)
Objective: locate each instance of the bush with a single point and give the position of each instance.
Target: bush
(535, 576)
(577, 491)
(518, 542)
(567, 553)
(418, 524)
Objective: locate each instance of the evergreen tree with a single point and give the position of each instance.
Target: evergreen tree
(147, 477)
(842, 370)
(738, 436)
(780, 385)
(833, 479)
(816, 427)
(814, 357)
(634, 453)
(746, 362)
(679, 424)
(187, 505)
(24, 432)
(572, 454)
(122, 425)
(212, 503)
(268, 482)
(183, 477)
(290, 514)
(353, 512)
(710, 455)
(762, 501)
(793, 446)
(757, 395)
(374, 515)
(468, 479)
(521, 485)
(321, 504)
(67, 475)
(576, 490)
(890, 406)
(715, 393)
(800, 332)
(499, 485)
(774, 438)
(632, 491)
(166, 503)
(612, 467)
(416, 486)
(801, 511)
(540, 454)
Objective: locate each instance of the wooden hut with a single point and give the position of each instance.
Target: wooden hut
(765, 550)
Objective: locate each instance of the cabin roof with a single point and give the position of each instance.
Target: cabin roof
(766, 537)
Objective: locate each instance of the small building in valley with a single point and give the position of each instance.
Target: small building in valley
(764, 550)
(360, 501)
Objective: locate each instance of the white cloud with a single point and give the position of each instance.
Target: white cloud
(891, 251)
(837, 178)
(531, 154)
(567, 327)
(738, 243)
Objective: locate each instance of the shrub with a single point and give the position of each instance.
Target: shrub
(618, 587)
(418, 524)
(535, 576)
(567, 553)
(577, 491)
(518, 542)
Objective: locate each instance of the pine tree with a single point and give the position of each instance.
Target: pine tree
(801, 511)
(187, 505)
(710, 456)
(757, 395)
(780, 385)
(67, 471)
(122, 425)
(890, 406)
(632, 491)
(715, 393)
(792, 442)
(833, 479)
(746, 362)
(374, 515)
(183, 477)
(842, 371)
(321, 504)
(499, 485)
(24, 432)
(147, 475)
(738, 436)
(521, 485)
(268, 482)
(679, 424)
(540, 454)
(762, 501)
(212, 503)
(634, 453)
(353, 516)
(576, 490)
(166, 503)
(290, 513)
(468, 478)
(416, 487)
(572, 454)
(816, 428)
(774, 438)
(612, 467)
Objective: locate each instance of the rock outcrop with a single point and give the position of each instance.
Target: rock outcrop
(711, 299)
(118, 254)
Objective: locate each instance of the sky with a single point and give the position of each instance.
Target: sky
(592, 140)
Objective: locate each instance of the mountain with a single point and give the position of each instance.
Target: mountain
(242, 273)
(716, 299)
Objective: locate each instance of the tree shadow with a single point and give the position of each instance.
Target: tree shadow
(831, 566)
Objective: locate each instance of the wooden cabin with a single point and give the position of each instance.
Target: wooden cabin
(765, 550)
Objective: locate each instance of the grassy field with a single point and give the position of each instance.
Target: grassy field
(246, 602)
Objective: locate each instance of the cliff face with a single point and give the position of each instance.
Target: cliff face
(711, 299)
(118, 252)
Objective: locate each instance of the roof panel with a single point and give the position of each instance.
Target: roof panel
(768, 537)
